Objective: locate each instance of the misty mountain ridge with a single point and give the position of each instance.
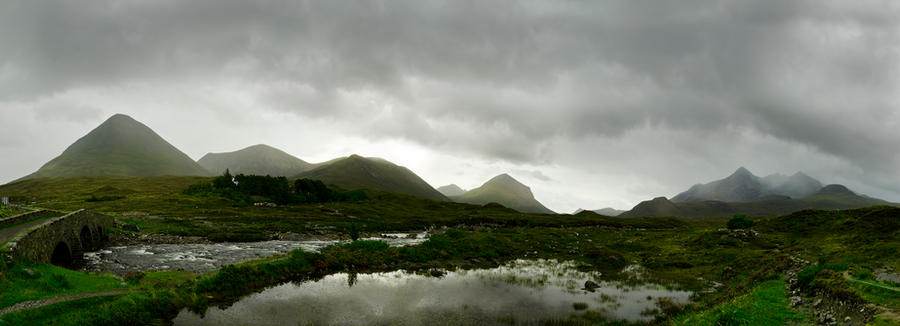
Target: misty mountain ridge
(744, 186)
(357, 172)
(257, 159)
(120, 146)
(451, 190)
(827, 198)
(507, 191)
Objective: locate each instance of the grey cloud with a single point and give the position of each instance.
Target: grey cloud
(502, 80)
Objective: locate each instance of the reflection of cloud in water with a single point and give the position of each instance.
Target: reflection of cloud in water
(526, 290)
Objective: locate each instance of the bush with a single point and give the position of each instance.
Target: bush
(740, 221)
(353, 231)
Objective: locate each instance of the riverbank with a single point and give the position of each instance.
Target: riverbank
(720, 265)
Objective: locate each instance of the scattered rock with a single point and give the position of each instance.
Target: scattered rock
(591, 285)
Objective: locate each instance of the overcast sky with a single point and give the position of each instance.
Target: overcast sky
(591, 103)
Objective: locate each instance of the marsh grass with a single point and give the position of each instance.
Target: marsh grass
(766, 304)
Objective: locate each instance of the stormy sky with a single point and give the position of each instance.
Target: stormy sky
(591, 103)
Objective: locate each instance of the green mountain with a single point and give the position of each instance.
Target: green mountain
(451, 190)
(257, 159)
(504, 190)
(357, 172)
(830, 197)
(121, 146)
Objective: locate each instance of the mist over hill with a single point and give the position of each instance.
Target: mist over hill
(829, 197)
(451, 190)
(744, 186)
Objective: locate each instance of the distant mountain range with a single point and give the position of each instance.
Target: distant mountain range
(120, 146)
(507, 191)
(257, 159)
(744, 193)
(743, 186)
(357, 172)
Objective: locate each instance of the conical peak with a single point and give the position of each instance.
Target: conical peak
(505, 179)
(119, 119)
(742, 171)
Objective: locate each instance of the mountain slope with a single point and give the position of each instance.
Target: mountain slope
(257, 159)
(828, 198)
(740, 186)
(744, 186)
(120, 146)
(451, 190)
(797, 186)
(504, 190)
(357, 172)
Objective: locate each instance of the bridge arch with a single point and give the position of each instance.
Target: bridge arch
(62, 255)
(62, 240)
(87, 238)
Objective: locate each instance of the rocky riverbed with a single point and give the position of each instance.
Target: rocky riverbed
(195, 254)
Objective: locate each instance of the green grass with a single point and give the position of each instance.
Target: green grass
(18, 285)
(139, 308)
(765, 305)
(57, 314)
(877, 295)
(6, 211)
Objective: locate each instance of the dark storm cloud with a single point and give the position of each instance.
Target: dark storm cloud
(505, 80)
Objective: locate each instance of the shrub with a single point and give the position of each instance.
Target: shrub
(353, 231)
(806, 276)
(740, 221)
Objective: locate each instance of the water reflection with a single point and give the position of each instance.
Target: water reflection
(523, 292)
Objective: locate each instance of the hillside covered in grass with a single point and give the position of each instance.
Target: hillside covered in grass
(357, 172)
(121, 146)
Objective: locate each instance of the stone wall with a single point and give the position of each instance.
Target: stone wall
(77, 232)
(25, 217)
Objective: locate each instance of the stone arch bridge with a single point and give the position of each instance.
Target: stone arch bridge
(61, 240)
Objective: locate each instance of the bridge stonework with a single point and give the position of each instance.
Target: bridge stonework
(62, 240)
(4, 222)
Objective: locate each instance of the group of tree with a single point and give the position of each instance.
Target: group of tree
(243, 188)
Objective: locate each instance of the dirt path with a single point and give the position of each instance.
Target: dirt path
(849, 278)
(63, 298)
